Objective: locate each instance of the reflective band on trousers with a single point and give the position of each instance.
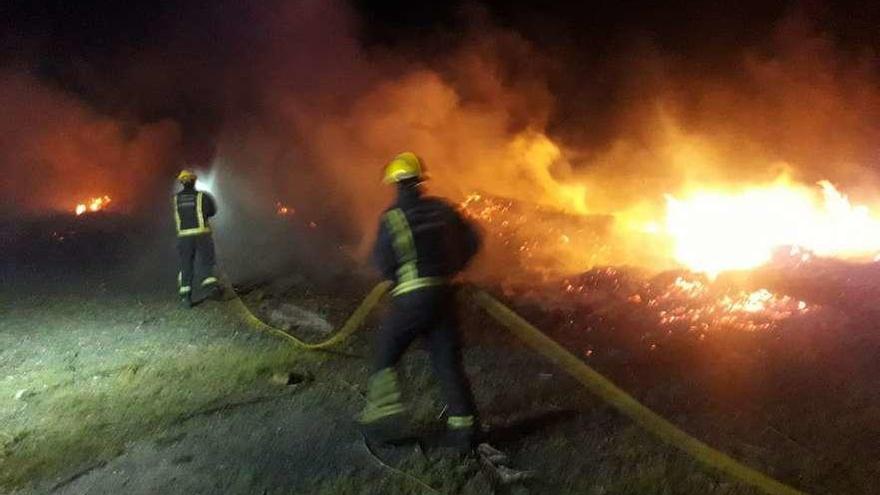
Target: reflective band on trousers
(182, 289)
(383, 397)
(459, 422)
(203, 227)
(209, 281)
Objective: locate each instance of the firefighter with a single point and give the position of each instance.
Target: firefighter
(192, 209)
(421, 244)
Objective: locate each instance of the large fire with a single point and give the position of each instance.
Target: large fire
(92, 205)
(715, 231)
(704, 231)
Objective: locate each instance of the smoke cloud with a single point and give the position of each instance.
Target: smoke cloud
(288, 104)
(55, 151)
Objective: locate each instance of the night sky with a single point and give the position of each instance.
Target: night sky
(84, 46)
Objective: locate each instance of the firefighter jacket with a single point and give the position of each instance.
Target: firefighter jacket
(422, 242)
(192, 209)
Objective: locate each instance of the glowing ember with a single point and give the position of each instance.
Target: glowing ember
(696, 306)
(92, 205)
(717, 231)
(538, 239)
(283, 210)
(689, 302)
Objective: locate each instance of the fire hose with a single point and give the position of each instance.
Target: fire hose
(351, 325)
(580, 371)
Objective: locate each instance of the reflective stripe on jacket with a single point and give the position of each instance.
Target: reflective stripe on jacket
(422, 242)
(192, 209)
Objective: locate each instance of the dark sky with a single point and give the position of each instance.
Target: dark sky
(59, 34)
(86, 47)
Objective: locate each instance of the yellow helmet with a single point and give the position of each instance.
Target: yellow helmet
(186, 176)
(404, 166)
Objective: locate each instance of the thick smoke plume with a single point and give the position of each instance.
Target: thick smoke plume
(293, 107)
(56, 151)
(797, 107)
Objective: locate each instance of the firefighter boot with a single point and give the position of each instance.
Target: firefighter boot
(382, 420)
(186, 301)
(212, 289)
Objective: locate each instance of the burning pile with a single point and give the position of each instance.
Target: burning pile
(679, 301)
(538, 239)
(690, 303)
(92, 205)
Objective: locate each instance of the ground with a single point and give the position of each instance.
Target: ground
(109, 387)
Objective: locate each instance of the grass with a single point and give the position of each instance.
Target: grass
(73, 425)
(75, 410)
(100, 373)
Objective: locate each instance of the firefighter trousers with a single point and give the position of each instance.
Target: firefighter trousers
(429, 313)
(196, 256)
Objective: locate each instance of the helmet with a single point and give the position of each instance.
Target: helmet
(186, 176)
(404, 166)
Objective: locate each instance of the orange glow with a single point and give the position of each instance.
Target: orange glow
(92, 205)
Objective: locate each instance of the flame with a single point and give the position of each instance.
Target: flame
(92, 205)
(716, 231)
(283, 210)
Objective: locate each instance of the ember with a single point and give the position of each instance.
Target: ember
(92, 205)
(694, 305)
(689, 302)
(283, 210)
(538, 238)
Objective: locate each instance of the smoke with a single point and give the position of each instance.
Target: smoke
(287, 104)
(796, 106)
(55, 151)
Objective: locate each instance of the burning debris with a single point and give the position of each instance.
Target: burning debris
(707, 232)
(92, 205)
(539, 238)
(282, 210)
(545, 241)
(285, 211)
(673, 301)
(693, 304)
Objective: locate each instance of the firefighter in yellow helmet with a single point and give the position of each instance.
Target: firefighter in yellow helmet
(195, 245)
(422, 243)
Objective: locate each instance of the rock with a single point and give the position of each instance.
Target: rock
(496, 463)
(288, 378)
(508, 476)
(492, 455)
(24, 394)
(288, 316)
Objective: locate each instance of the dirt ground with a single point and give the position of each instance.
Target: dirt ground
(108, 386)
